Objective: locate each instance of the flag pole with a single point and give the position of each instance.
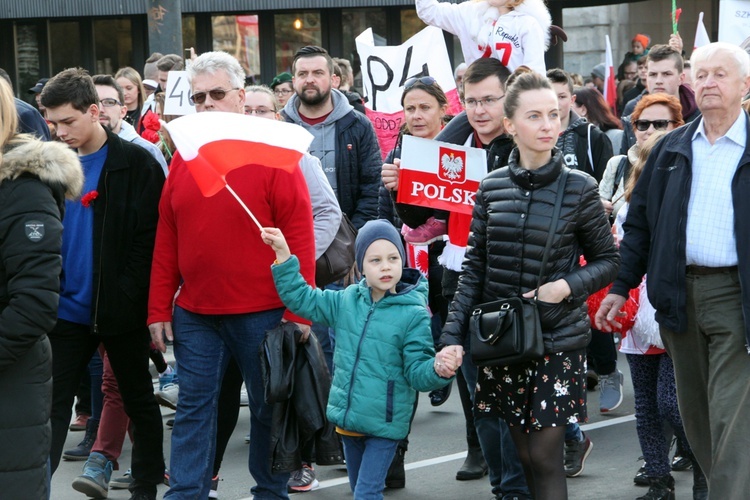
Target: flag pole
(236, 197)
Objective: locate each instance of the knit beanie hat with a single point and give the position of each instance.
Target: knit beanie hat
(598, 71)
(643, 39)
(376, 230)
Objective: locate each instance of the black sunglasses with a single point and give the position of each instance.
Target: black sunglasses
(216, 95)
(643, 125)
(424, 80)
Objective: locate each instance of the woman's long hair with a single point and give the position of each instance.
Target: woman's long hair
(643, 154)
(597, 110)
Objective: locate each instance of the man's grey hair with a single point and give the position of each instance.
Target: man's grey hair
(211, 62)
(461, 66)
(708, 52)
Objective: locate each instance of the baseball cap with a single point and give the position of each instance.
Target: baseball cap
(37, 89)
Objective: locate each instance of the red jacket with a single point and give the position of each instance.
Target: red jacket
(214, 249)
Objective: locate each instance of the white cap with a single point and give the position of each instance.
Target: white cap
(151, 83)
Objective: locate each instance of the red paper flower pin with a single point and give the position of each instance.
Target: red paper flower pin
(88, 198)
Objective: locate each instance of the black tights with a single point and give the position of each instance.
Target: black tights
(541, 454)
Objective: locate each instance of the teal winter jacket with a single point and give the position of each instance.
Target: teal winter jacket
(384, 350)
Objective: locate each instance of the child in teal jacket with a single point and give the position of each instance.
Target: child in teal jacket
(384, 351)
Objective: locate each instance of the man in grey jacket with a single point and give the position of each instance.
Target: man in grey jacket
(345, 140)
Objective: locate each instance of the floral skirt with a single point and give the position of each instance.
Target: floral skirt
(541, 393)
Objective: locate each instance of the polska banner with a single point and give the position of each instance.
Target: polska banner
(385, 70)
(440, 175)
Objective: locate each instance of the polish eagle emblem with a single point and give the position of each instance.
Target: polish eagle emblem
(452, 166)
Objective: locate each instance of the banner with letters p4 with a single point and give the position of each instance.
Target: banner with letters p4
(440, 175)
(386, 69)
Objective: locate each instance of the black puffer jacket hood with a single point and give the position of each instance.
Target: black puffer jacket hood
(34, 179)
(510, 224)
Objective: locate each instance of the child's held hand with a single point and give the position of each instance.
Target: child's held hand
(273, 237)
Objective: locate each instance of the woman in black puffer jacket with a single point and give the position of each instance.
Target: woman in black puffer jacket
(34, 179)
(511, 220)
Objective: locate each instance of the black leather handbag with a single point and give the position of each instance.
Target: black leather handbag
(338, 258)
(509, 331)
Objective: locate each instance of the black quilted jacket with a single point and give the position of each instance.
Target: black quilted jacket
(510, 224)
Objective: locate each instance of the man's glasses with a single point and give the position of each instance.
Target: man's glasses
(486, 102)
(108, 102)
(424, 80)
(281, 92)
(643, 125)
(216, 95)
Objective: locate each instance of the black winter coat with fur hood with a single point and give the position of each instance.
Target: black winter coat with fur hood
(511, 220)
(35, 177)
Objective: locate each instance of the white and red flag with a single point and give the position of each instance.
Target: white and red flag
(213, 144)
(701, 35)
(610, 89)
(440, 175)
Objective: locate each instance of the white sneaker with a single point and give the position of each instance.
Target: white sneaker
(244, 398)
(168, 396)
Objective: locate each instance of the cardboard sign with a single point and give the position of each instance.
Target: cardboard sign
(176, 97)
(385, 70)
(440, 175)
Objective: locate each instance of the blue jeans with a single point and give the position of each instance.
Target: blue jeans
(367, 461)
(506, 471)
(202, 347)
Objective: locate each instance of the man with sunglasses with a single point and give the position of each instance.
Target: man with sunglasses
(209, 251)
(107, 248)
(112, 112)
(664, 75)
(686, 230)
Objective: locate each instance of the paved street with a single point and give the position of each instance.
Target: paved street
(436, 452)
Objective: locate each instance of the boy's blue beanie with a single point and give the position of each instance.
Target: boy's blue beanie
(376, 230)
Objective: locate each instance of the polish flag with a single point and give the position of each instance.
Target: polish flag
(418, 257)
(213, 144)
(701, 35)
(610, 89)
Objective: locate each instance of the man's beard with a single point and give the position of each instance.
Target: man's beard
(316, 99)
(108, 125)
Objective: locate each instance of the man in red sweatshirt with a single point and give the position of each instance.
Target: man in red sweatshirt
(211, 251)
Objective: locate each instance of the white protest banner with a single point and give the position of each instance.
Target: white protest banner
(176, 97)
(440, 175)
(385, 70)
(734, 21)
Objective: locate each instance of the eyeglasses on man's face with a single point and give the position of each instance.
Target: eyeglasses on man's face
(109, 102)
(282, 92)
(216, 95)
(486, 102)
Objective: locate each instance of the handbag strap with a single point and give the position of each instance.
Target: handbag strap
(561, 182)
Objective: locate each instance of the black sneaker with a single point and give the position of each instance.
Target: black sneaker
(302, 480)
(576, 453)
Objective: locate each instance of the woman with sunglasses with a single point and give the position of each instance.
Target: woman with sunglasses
(654, 112)
(510, 225)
